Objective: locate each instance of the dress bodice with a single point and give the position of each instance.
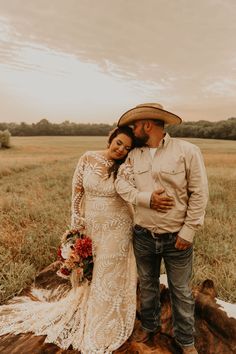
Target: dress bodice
(96, 181)
(92, 187)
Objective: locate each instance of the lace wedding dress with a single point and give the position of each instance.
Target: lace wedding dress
(95, 318)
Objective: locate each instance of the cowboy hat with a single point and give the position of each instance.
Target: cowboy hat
(148, 111)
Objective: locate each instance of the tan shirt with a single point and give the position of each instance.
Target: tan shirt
(178, 167)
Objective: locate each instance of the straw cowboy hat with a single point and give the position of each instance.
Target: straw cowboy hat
(148, 111)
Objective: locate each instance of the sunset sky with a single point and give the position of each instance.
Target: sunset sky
(91, 60)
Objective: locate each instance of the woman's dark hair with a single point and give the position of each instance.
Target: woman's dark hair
(113, 134)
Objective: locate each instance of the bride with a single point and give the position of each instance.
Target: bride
(96, 317)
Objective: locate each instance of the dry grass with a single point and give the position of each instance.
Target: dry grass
(35, 190)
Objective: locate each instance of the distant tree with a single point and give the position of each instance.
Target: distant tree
(43, 127)
(232, 133)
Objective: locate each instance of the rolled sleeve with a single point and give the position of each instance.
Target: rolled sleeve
(143, 199)
(186, 233)
(198, 196)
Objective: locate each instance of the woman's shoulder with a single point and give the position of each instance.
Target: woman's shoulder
(93, 153)
(88, 155)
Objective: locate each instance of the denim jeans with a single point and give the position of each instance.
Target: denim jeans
(149, 252)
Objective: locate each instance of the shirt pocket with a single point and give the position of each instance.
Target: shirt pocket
(142, 176)
(174, 175)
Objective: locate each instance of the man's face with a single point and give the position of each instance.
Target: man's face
(141, 137)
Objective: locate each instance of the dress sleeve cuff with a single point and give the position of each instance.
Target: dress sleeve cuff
(143, 199)
(186, 233)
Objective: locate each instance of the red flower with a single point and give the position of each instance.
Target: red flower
(59, 255)
(65, 271)
(83, 247)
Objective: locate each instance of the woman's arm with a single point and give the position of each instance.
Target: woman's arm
(77, 194)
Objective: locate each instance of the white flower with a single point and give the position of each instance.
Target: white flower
(66, 250)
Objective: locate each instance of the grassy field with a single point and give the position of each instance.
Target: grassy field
(35, 191)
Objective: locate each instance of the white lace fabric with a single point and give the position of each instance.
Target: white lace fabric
(96, 318)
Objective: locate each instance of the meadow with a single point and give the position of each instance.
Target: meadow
(35, 192)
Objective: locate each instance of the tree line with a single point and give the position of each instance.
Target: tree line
(44, 127)
(224, 129)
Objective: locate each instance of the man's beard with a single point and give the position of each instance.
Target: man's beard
(142, 140)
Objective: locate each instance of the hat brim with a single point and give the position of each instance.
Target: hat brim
(148, 112)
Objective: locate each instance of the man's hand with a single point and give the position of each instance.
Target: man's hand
(161, 203)
(182, 244)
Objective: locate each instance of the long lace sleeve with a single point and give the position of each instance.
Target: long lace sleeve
(126, 186)
(77, 194)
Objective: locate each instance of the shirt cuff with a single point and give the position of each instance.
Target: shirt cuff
(143, 199)
(186, 233)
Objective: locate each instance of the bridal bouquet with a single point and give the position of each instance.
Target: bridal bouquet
(75, 254)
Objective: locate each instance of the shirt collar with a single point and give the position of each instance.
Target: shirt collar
(164, 141)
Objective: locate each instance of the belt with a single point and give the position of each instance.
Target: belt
(154, 234)
(167, 234)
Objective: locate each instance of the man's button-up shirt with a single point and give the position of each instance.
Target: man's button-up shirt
(178, 167)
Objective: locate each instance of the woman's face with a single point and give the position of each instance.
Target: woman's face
(119, 147)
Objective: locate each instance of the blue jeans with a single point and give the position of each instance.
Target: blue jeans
(149, 252)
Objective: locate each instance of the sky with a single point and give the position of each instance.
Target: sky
(91, 60)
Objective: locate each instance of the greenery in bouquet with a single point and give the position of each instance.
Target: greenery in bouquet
(75, 254)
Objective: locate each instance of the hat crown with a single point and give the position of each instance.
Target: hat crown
(154, 111)
(155, 105)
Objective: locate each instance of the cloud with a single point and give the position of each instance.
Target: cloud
(168, 36)
(221, 87)
(171, 52)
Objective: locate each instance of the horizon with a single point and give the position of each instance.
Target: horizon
(105, 123)
(89, 62)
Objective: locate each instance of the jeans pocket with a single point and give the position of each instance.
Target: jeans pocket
(139, 230)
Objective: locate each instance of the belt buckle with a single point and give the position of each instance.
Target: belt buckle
(155, 234)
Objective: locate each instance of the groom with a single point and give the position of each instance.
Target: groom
(165, 180)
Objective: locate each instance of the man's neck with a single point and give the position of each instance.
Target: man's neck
(154, 139)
